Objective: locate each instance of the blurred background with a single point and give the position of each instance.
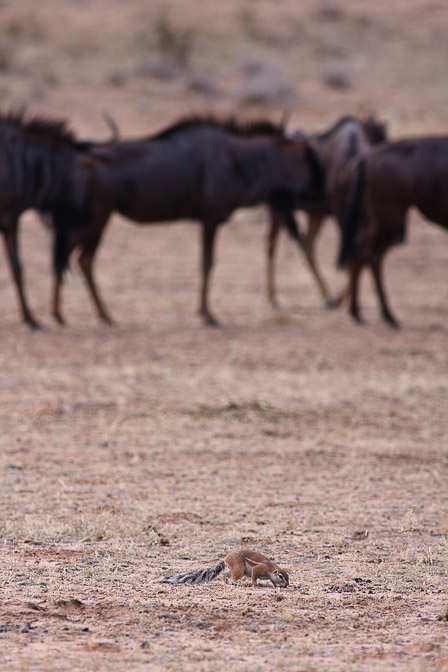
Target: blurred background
(158, 445)
(149, 62)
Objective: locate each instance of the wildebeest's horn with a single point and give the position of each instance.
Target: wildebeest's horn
(110, 121)
(286, 115)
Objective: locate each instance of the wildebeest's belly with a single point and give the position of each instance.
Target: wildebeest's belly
(156, 191)
(433, 204)
(152, 203)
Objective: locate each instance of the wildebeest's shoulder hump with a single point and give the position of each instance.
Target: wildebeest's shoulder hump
(230, 125)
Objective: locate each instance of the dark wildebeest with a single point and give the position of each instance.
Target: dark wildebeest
(199, 169)
(42, 167)
(336, 148)
(386, 183)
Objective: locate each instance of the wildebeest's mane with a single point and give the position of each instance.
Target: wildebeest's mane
(40, 127)
(241, 128)
(336, 126)
(374, 130)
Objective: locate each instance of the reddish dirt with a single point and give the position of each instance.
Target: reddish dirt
(159, 445)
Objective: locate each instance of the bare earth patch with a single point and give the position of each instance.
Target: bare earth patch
(159, 445)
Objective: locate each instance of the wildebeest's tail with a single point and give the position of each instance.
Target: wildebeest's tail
(316, 187)
(58, 222)
(200, 576)
(291, 225)
(282, 204)
(351, 216)
(66, 218)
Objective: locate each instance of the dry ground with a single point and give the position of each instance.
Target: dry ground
(159, 445)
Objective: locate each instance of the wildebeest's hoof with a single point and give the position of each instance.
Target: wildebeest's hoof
(211, 322)
(35, 326)
(358, 319)
(332, 304)
(392, 322)
(208, 319)
(59, 319)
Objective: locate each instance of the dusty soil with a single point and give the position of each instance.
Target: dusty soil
(158, 445)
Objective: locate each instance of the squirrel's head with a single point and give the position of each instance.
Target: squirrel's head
(280, 578)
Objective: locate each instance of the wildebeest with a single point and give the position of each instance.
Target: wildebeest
(42, 167)
(348, 138)
(200, 169)
(386, 183)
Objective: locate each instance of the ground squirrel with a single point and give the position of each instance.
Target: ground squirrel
(242, 562)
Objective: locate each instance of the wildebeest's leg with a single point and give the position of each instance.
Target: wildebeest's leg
(308, 242)
(341, 296)
(85, 261)
(87, 239)
(272, 238)
(208, 239)
(55, 309)
(10, 238)
(376, 266)
(355, 271)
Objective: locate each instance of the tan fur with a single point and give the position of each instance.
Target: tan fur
(244, 562)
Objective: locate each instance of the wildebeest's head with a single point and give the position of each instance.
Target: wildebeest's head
(376, 131)
(46, 163)
(302, 171)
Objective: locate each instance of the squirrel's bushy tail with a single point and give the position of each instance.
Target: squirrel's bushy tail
(200, 576)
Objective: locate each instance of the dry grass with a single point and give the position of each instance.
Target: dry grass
(158, 445)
